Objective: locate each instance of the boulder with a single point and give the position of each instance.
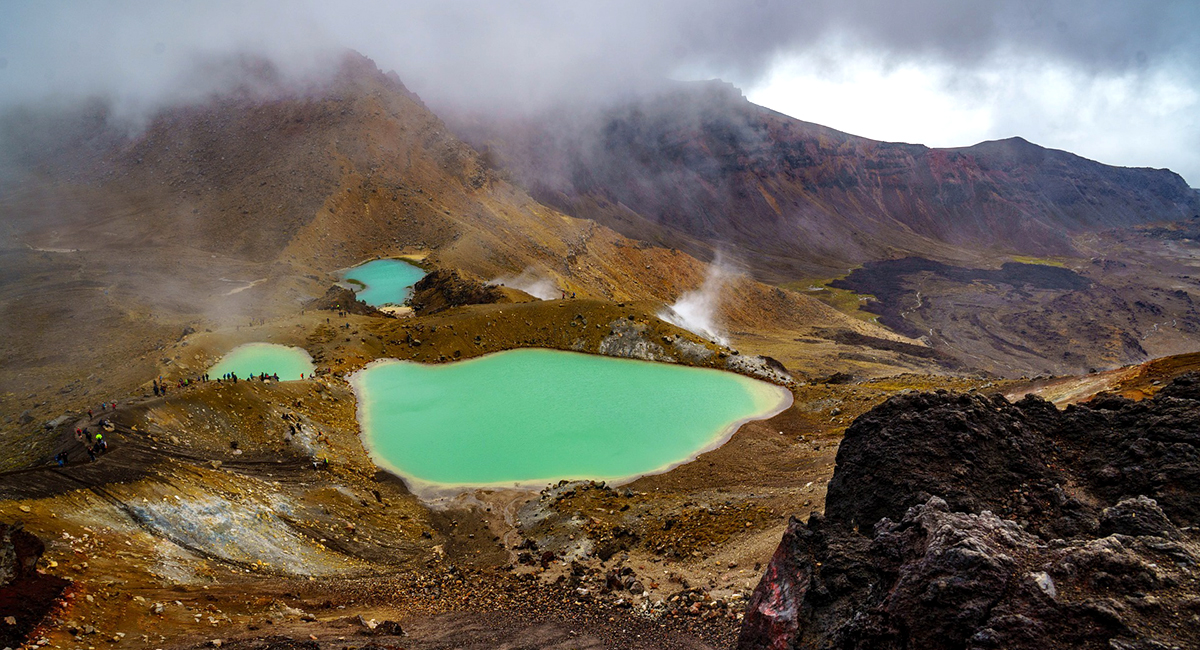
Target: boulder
(967, 521)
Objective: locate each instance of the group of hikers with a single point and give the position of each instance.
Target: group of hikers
(93, 446)
(104, 406)
(262, 376)
(160, 385)
(93, 442)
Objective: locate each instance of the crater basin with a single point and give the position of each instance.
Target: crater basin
(383, 282)
(531, 416)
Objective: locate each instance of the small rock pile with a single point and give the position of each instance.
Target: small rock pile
(342, 299)
(442, 289)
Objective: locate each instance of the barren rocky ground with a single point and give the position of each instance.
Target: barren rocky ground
(209, 491)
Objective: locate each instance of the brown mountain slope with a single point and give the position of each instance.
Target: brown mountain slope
(320, 178)
(700, 167)
(245, 207)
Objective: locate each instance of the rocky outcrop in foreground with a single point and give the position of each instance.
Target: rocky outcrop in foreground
(26, 594)
(965, 521)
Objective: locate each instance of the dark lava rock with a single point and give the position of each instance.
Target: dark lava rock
(25, 594)
(963, 521)
(837, 378)
(888, 281)
(442, 289)
(388, 628)
(274, 642)
(850, 337)
(1135, 517)
(342, 299)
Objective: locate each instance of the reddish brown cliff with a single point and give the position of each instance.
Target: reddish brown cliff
(699, 166)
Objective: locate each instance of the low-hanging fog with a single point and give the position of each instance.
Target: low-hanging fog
(1112, 80)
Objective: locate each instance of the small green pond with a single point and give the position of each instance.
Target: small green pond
(383, 282)
(531, 416)
(264, 358)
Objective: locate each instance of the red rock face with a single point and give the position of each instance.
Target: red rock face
(772, 615)
(701, 164)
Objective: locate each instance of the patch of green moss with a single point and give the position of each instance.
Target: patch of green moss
(1044, 261)
(843, 300)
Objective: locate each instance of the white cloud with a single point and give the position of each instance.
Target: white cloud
(1109, 79)
(1132, 117)
(864, 95)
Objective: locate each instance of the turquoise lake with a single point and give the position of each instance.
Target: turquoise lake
(532, 416)
(258, 358)
(383, 282)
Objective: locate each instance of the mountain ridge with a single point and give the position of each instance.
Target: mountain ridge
(676, 167)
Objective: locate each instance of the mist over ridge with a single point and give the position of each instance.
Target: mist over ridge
(515, 58)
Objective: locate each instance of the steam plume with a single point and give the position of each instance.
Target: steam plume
(696, 310)
(531, 282)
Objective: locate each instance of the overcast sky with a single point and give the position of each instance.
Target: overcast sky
(1114, 80)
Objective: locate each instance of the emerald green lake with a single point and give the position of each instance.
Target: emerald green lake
(531, 416)
(383, 282)
(258, 358)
